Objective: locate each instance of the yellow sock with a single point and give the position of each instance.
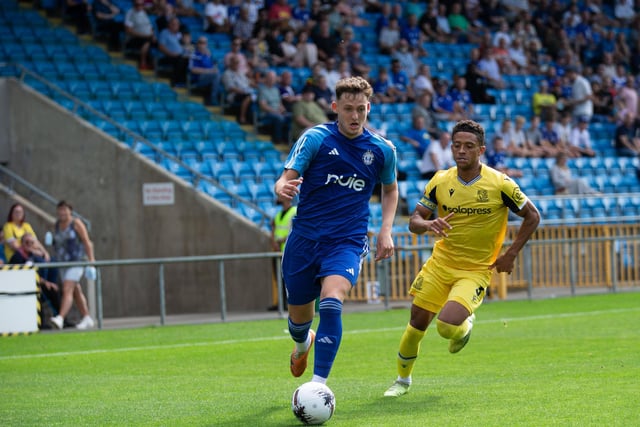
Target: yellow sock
(453, 332)
(409, 348)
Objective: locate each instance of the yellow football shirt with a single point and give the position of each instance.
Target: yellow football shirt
(480, 215)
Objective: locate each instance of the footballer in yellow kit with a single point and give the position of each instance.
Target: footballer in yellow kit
(472, 203)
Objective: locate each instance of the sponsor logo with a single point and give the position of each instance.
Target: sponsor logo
(466, 211)
(368, 157)
(352, 182)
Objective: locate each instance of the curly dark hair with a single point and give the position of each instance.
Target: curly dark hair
(353, 85)
(471, 127)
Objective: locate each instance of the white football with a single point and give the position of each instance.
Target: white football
(313, 403)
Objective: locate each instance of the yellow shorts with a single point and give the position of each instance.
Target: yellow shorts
(436, 284)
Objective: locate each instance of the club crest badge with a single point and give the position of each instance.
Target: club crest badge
(368, 157)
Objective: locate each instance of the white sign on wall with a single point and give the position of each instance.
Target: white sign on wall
(18, 301)
(158, 193)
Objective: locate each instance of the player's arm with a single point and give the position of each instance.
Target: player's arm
(419, 223)
(287, 186)
(389, 201)
(531, 219)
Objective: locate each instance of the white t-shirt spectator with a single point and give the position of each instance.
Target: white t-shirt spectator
(218, 13)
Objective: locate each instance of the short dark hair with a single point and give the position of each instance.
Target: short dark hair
(64, 204)
(471, 127)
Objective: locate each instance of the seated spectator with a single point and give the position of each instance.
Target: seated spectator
(437, 157)
(243, 27)
(140, 35)
(489, 68)
(579, 142)
(173, 52)
(78, 13)
(105, 14)
(477, 80)
(412, 33)
(204, 75)
(216, 17)
(287, 92)
(417, 136)
(435, 26)
(627, 139)
(550, 140)
(381, 86)
(407, 57)
(422, 81)
(307, 51)
(240, 92)
(462, 103)
(13, 230)
(519, 145)
(543, 102)
(324, 95)
(186, 8)
(280, 14)
(400, 83)
(563, 180)
(389, 36)
(534, 139)
(306, 113)
(496, 158)
(628, 96)
(564, 128)
(162, 21)
(357, 64)
(31, 251)
(422, 108)
(236, 52)
(443, 105)
(301, 16)
(272, 112)
(325, 39)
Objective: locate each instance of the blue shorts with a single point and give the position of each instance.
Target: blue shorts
(306, 261)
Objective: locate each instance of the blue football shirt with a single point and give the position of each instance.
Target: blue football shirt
(339, 178)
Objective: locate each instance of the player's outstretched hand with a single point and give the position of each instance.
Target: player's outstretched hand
(384, 247)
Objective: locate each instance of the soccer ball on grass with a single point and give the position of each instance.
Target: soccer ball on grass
(313, 403)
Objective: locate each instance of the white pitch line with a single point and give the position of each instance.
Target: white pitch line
(273, 338)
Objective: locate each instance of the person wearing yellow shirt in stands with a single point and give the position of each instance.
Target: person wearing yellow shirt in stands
(280, 229)
(543, 102)
(14, 229)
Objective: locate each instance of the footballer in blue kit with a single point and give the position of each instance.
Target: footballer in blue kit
(333, 168)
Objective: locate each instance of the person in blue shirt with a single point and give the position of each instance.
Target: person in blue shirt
(204, 74)
(333, 169)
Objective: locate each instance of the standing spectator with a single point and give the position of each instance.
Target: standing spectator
(105, 14)
(173, 52)
(628, 96)
(280, 229)
(580, 102)
(287, 92)
(579, 143)
(563, 180)
(325, 247)
(204, 73)
(72, 243)
(13, 230)
(452, 283)
(437, 157)
(477, 80)
(627, 139)
(272, 111)
(239, 91)
(140, 35)
(78, 12)
(306, 113)
(216, 17)
(417, 136)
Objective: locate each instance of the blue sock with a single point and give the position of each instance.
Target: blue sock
(299, 332)
(328, 336)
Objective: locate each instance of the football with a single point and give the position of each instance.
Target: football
(313, 403)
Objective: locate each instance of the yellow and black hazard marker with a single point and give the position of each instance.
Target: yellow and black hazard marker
(36, 291)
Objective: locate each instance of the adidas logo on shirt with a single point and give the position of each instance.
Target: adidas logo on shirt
(325, 340)
(334, 152)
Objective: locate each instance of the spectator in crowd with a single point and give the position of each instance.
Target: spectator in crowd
(400, 88)
(33, 252)
(280, 228)
(581, 93)
(381, 87)
(332, 73)
(272, 111)
(307, 51)
(497, 157)
(543, 102)
(417, 136)
(627, 138)
(408, 58)
(357, 65)
(162, 20)
(412, 33)
(603, 101)
(489, 68)
(287, 92)
(477, 81)
(422, 108)
(140, 35)
(325, 39)
(389, 37)
(443, 105)
(204, 73)
(216, 17)
(306, 113)
(72, 243)
(462, 103)
(78, 13)
(324, 95)
(564, 127)
(242, 28)
(550, 141)
(628, 96)
(236, 52)
(13, 230)
(186, 8)
(437, 157)
(173, 52)
(276, 55)
(301, 16)
(280, 13)
(563, 180)
(534, 138)
(422, 81)
(105, 14)
(239, 89)
(579, 142)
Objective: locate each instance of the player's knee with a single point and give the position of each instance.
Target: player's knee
(446, 330)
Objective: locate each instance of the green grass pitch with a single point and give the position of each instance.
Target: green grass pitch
(557, 362)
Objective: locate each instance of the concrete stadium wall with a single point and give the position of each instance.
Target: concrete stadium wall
(70, 159)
